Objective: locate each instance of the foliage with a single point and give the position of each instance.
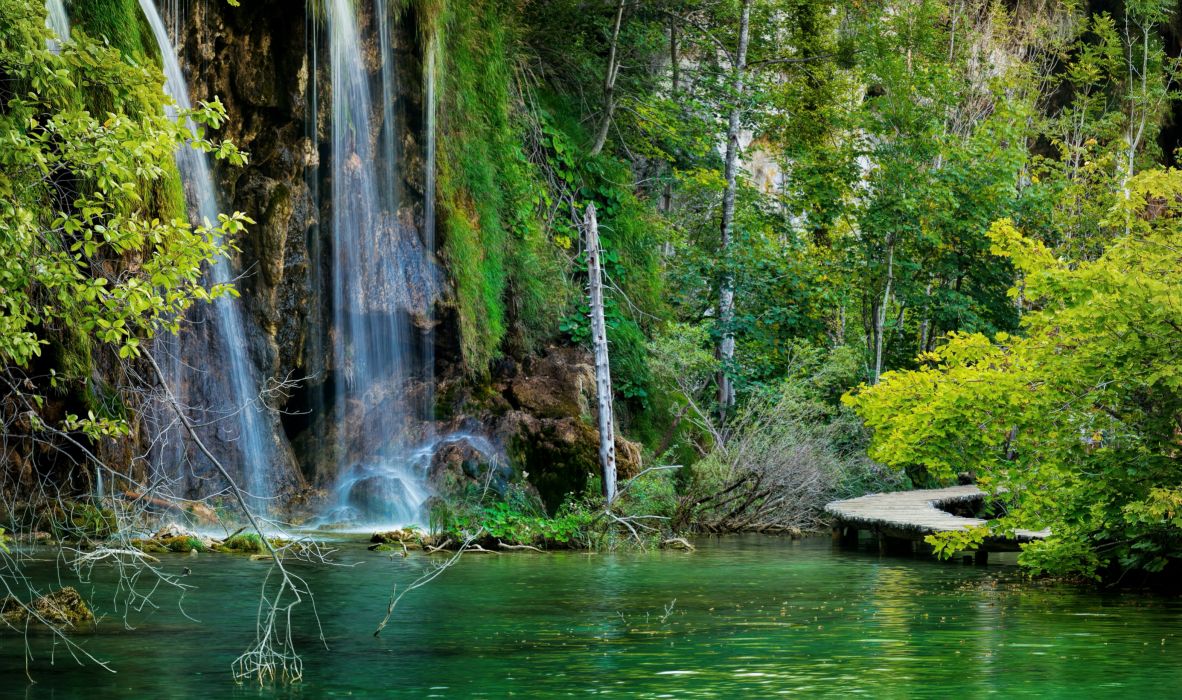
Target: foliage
(517, 519)
(949, 543)
(74, 209)
(782, 456)
(490, 196)
(244, 543)
(647, 502)
(1076, 420)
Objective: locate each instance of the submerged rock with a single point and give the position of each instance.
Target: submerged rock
(61, 608)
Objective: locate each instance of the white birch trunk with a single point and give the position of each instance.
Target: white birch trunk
(603, 376)
(726, 295)
(880, 317)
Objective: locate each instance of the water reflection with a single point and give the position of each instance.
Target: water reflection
(742, 617)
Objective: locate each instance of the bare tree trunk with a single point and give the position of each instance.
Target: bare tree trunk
(880, 317)
(1133, 138)
(674, 89)
(609, 84)
(926, 324)
(674, 57)
(726, 296)
(603, 376)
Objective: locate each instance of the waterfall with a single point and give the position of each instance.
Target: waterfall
(58, 21)
(377, 266)
(251, 430)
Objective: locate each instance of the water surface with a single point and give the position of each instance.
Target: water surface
(741, 617)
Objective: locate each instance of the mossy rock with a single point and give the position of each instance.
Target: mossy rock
(409, 537)
(150, 546)
(61, 608)
(557, 456)
(182, 544)
(76, 520)
(243, 543)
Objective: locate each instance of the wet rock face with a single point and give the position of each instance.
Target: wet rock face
(465, 465)
(256, 59)
(247, 57)
(413, 286)
(538, 412)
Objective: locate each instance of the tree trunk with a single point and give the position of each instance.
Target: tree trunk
(880, 317)
(726, 296)
(603, 376)
(609, 84)
(666, 205)
(674, 58)
(926, 324)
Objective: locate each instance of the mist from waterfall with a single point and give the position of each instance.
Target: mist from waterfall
(382, 477)
(240, 415)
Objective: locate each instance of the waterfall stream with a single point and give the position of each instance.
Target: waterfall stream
(58, 21)
(241, 416)
(376, 261)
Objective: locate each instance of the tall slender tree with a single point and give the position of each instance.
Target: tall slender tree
(726, 294)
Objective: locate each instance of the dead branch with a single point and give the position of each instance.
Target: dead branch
(529, 547)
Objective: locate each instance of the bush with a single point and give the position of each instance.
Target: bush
(783, 459)
(519, 519)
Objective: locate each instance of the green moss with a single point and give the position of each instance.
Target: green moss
(489, 195)
(182, 544)
(89, 521)
(63, 608)
(149, 546)
(121, 23)
(167, 195)
(244, 543)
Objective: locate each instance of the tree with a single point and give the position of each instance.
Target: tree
(87, 261)
(726, 292)
(603, 375)
(609, 83)
(1074, 424)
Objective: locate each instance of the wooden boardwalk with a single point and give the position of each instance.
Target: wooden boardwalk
(901, 520)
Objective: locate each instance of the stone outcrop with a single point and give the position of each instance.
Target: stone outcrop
(539, 413)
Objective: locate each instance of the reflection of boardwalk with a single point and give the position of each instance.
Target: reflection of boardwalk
(906, 517)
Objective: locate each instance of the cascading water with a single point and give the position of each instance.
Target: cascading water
(376, 265)
(246, 425)
(58, 21)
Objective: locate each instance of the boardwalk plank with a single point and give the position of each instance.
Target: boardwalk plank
(916, 512)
